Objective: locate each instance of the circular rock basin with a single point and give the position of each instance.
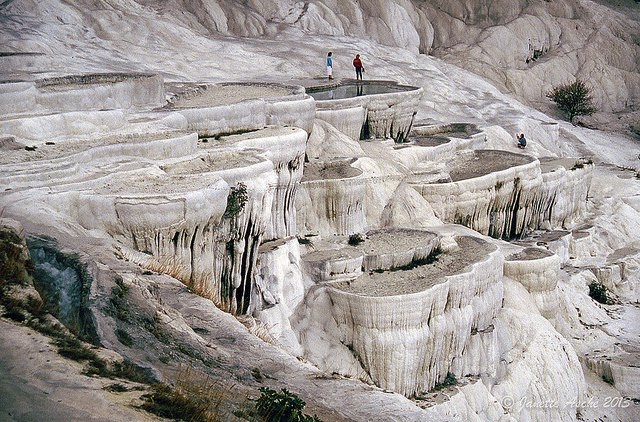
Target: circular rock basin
(203, 95)
(530, 254)
(330, 170)
(392, 240)
(419, 278)
(356, 89)
(483, 162)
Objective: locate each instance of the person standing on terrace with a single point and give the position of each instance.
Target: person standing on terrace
(330, 65)
(357, 63)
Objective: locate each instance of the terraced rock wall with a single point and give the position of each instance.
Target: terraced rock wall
(408, 343)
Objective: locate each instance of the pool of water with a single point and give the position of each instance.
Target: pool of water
(354, 90)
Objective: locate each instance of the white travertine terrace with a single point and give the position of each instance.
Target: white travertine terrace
(410, 328)
(511, 200)
(99, 91)
(557, 241)
(348, 120)
(84, 159)
(42, 127)
(161, 181)
(573, 177)
(279, 289)
(217, 109)
(621, 369)
(388, 115)
(158, 190)
(327, 265)
(285, 148)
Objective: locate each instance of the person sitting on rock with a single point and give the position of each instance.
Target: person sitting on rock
(522, 142)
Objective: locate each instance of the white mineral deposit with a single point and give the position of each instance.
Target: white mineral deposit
(187, 199)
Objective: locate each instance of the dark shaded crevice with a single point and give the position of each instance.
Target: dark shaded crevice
(64, 283)
(365, 132)
(513, 227)
(192, 253)
(174, 240)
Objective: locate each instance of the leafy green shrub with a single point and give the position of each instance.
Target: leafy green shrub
(304, 241)
(236, 200)
(599, 293)
(581, 163)
(119, 308)
(282, 407)
(449, 380)
(573, 99)
(72, 348)
(124, 337)
(356, 239)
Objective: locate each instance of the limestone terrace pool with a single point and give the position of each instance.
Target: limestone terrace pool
(355, 89)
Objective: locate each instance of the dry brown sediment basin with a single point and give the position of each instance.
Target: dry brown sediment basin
(420, 278)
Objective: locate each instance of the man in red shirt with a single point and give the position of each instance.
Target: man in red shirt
(357, 63)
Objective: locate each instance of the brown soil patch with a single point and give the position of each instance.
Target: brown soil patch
(529, 254)
(429, 141)
(483, 162)
(327, 171)
(387, 241)
(550, 236)
(215, 95)
(347, 252)
(403, 282)
(213, 162)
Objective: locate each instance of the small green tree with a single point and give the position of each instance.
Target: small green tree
(573, 99)
(282, 407)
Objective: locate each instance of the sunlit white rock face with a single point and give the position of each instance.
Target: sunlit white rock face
(541, 377)
(331, 199)
(492, 39)
(279, 289)
(537, 270)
